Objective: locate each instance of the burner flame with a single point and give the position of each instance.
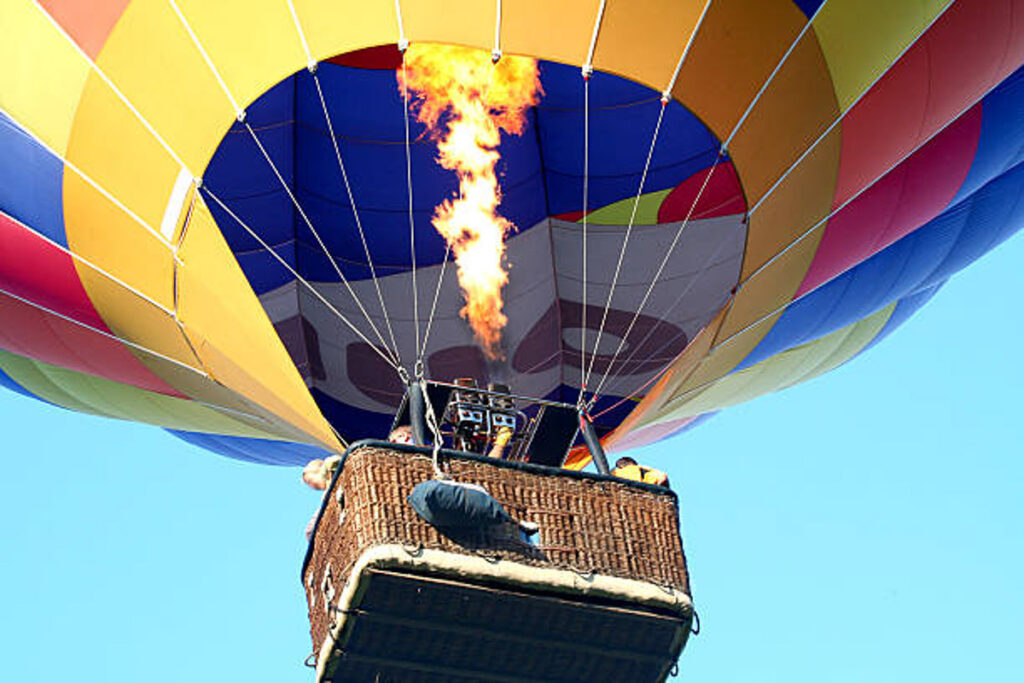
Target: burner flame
(466, 101)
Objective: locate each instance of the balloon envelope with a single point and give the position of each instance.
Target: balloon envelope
(792, 202)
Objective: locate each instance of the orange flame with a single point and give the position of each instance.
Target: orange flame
(466, 101)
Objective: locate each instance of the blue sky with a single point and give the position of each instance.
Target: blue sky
(865, 526)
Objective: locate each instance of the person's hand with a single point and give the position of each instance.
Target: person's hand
(503, 436)
(501, 439)
(401, 434)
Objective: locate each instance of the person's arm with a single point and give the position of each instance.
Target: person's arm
(501, 440)
(653, 476)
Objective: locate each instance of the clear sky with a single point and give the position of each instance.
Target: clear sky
(867, 526)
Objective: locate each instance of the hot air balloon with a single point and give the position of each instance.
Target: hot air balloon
(217, 217)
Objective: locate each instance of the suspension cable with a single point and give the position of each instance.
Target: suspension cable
(433, 308)
(586, 189)
(667, 93)
(239, 112)
(91, 265)
(625, 242)
(403, 46)
(586, 71)
(435, 428)
(782, 307)
(108, 335)
(842, 115)
(588, 65)
(358, 222)
(496, 52)
(316, 234)
(311, 66)
(665, 98)
(661, 268)
(92, 183)
(390, 361)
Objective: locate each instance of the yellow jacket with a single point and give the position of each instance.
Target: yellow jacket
(645, 474)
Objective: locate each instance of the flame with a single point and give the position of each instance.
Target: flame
(465, 100)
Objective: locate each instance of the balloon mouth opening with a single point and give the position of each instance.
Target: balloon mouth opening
(322, 208)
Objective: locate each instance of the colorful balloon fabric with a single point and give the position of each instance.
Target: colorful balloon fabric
(212, 218)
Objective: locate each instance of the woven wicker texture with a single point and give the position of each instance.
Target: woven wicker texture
(588, 525)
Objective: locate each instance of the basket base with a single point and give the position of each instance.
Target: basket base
(410, 627)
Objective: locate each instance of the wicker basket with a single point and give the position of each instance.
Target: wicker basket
(609, 555)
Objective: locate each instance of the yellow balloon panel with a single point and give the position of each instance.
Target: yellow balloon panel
(792, 112)
(232, 334)
(738, 45)
(136, 169)
(644, 39)
(117, 244)
(139, 321)
(862, 38)
(39, 93)
(461, 22)
(252, 43)
(558, 30)
(336, 26)
(781, 371)
(151, 58)
(801, 200)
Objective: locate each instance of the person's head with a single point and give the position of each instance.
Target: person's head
(315, 474)
(401, 434)
(624, 462)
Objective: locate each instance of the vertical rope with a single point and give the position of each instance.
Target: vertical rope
(412, 219)
(433, 305)
(665, 98)
(358, 221)
(661, 269)
(580, 399)
(301, 280)
(316, 235)
(588, 65)
(310, 62)
(778, 309)
(496, 52)
(435, 429)
(625, 240)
